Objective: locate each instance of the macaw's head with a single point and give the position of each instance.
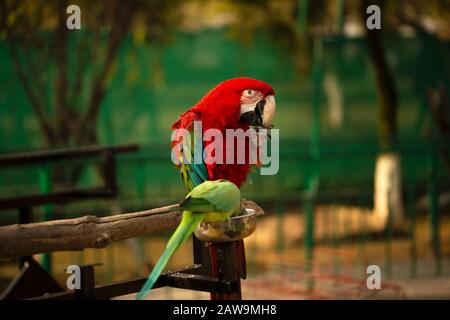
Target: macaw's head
(240, 102)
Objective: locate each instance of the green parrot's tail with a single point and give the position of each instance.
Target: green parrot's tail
(187, 225)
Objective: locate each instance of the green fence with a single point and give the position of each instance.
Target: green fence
(329, 193)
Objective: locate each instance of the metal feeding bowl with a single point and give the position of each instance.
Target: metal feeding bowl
(235, 228)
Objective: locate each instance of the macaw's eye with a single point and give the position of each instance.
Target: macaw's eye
(248, 93)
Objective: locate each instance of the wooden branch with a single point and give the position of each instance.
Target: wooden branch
(88, 231)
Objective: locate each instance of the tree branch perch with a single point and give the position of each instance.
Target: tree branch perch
(88, 231)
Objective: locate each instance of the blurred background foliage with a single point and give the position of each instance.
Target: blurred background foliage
(134, 66)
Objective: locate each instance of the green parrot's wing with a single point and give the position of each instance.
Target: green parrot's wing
(196, 204)
(219, 195)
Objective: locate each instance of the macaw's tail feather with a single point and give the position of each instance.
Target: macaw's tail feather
(186, 227)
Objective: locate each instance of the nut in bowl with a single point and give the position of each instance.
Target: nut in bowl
(235, 228)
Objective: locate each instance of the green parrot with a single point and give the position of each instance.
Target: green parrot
(209, 201)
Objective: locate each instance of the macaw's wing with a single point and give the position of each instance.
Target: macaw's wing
(192, 173)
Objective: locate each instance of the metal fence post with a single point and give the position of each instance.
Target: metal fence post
(434, 209)
(411, 211)
(45, 186)
(314, 176)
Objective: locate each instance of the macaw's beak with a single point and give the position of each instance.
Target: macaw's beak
(259, 114)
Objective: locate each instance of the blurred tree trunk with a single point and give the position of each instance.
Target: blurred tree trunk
(388, 195)
(386, 90)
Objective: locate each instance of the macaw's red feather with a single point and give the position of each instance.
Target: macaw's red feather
(220, 109)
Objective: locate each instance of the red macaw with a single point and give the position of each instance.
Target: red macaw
(233, 104)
